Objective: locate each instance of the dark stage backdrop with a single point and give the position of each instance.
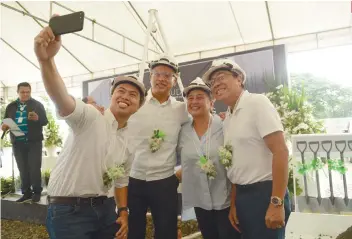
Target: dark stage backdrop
(265, 67)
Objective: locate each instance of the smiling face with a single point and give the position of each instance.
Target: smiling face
(125, 100)
(224, 84)
(162, 79)
(199, 103)
(24, 93)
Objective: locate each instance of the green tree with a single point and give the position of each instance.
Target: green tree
(329, 100)
(51, 130)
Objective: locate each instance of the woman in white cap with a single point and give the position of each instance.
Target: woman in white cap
(205, 186)
(255, 152)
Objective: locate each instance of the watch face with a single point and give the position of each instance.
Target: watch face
(275, 201)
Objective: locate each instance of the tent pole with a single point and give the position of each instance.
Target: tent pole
(146, 44)
(167, 48)
(51, 9)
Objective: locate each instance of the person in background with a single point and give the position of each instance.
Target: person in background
(208, 192)
(154, 135)
(98, 158)
(30, 116)
(91, 101)
(254, 145)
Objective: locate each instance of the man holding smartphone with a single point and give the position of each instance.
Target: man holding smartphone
(30, 116)
(79, 183)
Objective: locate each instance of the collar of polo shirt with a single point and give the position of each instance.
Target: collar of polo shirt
(111, 119)
(242, 102)
(151, 97)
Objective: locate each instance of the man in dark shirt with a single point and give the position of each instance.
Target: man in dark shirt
(30, 116)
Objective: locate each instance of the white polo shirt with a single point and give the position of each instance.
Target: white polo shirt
(168, 117)
(94, 144)
(254, 118)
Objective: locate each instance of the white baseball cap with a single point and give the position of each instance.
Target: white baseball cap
(198, 83)
(223, 64)
(166, 61)
(131, 79)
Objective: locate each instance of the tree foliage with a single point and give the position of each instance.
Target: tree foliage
(329, 100)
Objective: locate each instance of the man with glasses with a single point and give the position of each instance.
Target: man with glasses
(253, 136)
(155, 130)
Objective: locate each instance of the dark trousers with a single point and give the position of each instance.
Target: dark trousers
(161, 197)
(215, 224)
(28, 157)
(252, 202)
(82, 221)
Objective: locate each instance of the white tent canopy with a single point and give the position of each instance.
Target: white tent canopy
(114, 33)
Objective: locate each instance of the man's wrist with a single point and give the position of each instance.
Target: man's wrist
(122, 211)
(276, 201)
(123, 214)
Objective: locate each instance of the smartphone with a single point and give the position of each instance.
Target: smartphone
(67, 23)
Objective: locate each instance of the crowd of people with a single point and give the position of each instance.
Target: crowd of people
(233, 168)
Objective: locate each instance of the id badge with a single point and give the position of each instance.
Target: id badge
(20, 119)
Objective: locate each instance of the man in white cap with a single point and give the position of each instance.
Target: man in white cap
(253, 136)
(97, 158)
(155, 129)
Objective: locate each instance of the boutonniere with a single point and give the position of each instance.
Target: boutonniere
(156, 140)
(207, 166)
(113, 174)
(225, 154)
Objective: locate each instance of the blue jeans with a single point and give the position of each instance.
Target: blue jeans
(82, 221)
(215, 224)
(252, 202)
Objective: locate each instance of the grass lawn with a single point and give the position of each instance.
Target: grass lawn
(24, 230)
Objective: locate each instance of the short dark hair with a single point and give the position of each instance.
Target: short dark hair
(143, 95)
(85, 100)
(23, 84)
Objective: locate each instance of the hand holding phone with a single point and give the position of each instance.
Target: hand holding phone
(67, 23)
(32, 116)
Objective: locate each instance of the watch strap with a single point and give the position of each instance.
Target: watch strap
(121, 209)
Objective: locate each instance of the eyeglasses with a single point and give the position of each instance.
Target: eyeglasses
(164, 75)
(221, 77)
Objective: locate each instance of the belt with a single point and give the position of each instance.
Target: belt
(90, 201)
(254, 186)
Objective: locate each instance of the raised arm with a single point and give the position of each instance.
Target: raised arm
(46, 46)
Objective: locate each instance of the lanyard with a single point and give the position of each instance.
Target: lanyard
(207, 145)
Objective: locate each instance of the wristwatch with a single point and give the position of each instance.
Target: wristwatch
(121, 209)
(276, 201)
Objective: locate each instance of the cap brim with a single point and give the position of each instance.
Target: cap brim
(193, 87)
(126, 79)
(208, 73)
(164, 64)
